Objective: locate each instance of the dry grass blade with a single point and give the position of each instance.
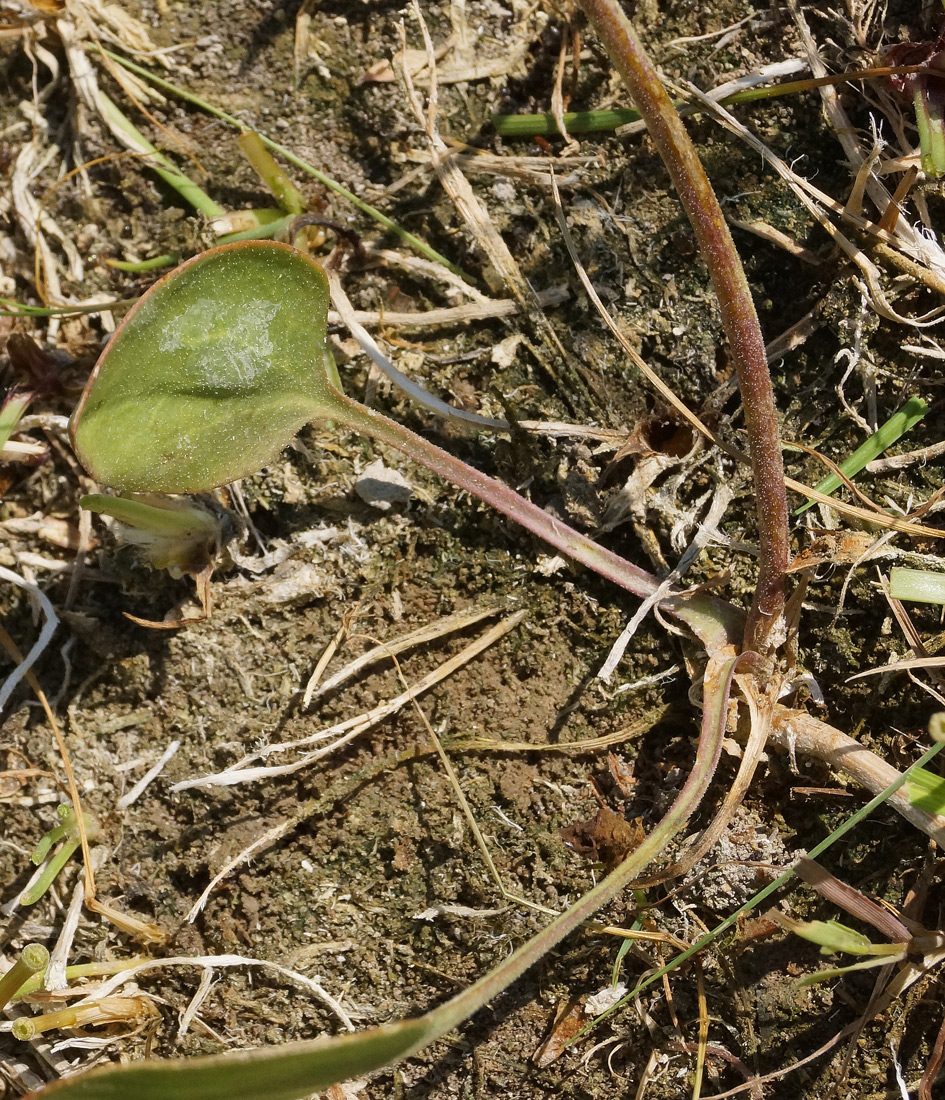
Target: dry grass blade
(416, 393)
(428, 633)
(585, 745)
(817, 202)
(927, 251)
(457, 186)
(25, 664)
(344, 732)
(323, 662)
(902, 462)
(419, 265)
(706, 531)
(883, 520)
(876, 519)
(761, 708)
(668, 395)
(473, 213)
(106, 988)
(901, 666)
(481, 310)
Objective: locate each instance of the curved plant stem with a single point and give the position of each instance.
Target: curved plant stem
(738, 312)
(287, 1071)
(713, 621)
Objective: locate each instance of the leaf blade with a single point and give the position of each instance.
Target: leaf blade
(210, 375)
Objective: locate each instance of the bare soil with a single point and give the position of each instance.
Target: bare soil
(340, 898)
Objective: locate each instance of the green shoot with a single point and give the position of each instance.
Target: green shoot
(66, 835)
(575, 122)
(180, 536)
(895, 427)
(10, 308)
(923, 84)
(264, 224)
(588, 122)
(172, 176)
(926, 790)
(14, 405)
(916, 585)
(832, 937)
(79, 970)
(33, 958)
(372, 212)
(286, 194)
(139, 266)
(930, 121)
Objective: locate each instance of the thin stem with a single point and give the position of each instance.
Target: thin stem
(717, 686)
(169, 172)
(589, 122)
(713, 621)
(738, 312)
(885, 795)
(372, 212)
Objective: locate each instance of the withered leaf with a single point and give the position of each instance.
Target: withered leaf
(607, 837)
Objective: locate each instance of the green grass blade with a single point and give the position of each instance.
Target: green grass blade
(11, 412)
(264, 231)
(9, 308)
(894, 428)
(588, 122)
(169, 172)
(916, 585)
(155, 263)
(926, 790)
(283, 189)
(372, 212)
(575, 122)
(782, 880)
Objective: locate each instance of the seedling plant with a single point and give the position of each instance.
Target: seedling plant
(224, 360)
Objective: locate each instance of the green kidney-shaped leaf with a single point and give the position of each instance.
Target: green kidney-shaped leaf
(210, 375)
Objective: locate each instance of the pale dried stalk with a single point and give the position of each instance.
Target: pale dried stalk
(428, 633)
(106, 988)
(815, 199)
(924, 249)
(473, 213)
(415, 392)
(487, 309)
(800, 732)
(346, 731)
(45, 635)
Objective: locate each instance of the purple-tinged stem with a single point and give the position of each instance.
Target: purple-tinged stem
(738, 312)
(713, 621)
